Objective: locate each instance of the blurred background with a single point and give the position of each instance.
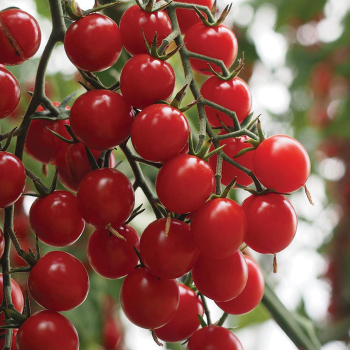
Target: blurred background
(297, 64)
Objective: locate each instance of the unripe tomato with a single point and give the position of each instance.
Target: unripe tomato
(10, 92)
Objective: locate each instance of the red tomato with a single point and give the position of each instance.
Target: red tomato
(2, 243)
(13, 344)
(26, 243)
(282, 163)
(134, 20)
(184, 183)
(272, 222)
(105, 196)
(21, 225)
(232, 94)
(168, 256)
(93, 43)
(159, 132)
(217, 42)
(10, 92)
(147, 301)
(111, 335)
(221, 279)
(47, 330)
(185, 321)
(101, 119)
(136, 80)
(58, 281)
(20, 36)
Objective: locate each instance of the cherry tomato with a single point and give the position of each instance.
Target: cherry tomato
(21, 225)
(2, 243)
(110, 256)
(13, 344)
(282, 163)
(12, 179)
(232, 94)
(145, 80)
(159, 132)
(184, 183)
(10, 92)
(58, 281)
(20, 36)
(185, 321)
(101, 119)
(103, 47)
(134, 20)
(105, 196)
(272, 222)
(47, 330)
(171, 255)
(221, 279)
(111, 335)
(26, 243)
(217, 42)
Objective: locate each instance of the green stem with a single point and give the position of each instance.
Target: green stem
(206, 309)
(202, 8)
(166, 42)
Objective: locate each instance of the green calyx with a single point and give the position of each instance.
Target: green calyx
(222, 17)
(75, 13)
(153, 6)
(176, 102)
(203, 151)
(233, 74)
(42, 189)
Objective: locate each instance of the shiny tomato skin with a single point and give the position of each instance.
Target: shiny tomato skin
(93, 43)
(134, 20)
(159, 132)
(272, 222)
(18, 29)
(101, 119)
(145, 80)
(282, 163)
(217, 42)
(58, 281)
(45, 211)
(10, 93)
(110, 256)
(105, 196)
(12, 179)
(221, 279)
(184, 183)
(147, 301)
(185, 321)
(232, 94)
(219, 227)
(47, 330)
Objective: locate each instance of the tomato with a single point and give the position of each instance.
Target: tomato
(232, 94)
(272, 222)
(103, 47)
(20, 36)
(168, 256)
(105, 196)
(221, 279)
(110, 256)
(184, 183)
(10, 92)
(21, 225)
(159, 132)
(145, 80)
(111, 335)
(185, 321)
(58, 281)
(219, 227)
(2, 243)
(46, 210)
(47, 330)
(214, 337)
(134, 20)
(13, 344)
(101, 119)
(12, 179)
(251, 294)
(217, 42)
(282, 163)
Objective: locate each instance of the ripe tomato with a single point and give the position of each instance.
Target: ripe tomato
(105, 196)
(147, 301)
(272, 222)
(20, 36)
(10, 92)
(136, 80)
(26, 243)
(13, 344)
(21, 225)
(47, 330)
(282, 163)
(185, 321)
(159, 132)
(184, 183)
(232, 94)
(101, 119)
(217, 42)
(134, 20)
(58, 281)
(103, 47)
(12, 179)
(111, 334)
